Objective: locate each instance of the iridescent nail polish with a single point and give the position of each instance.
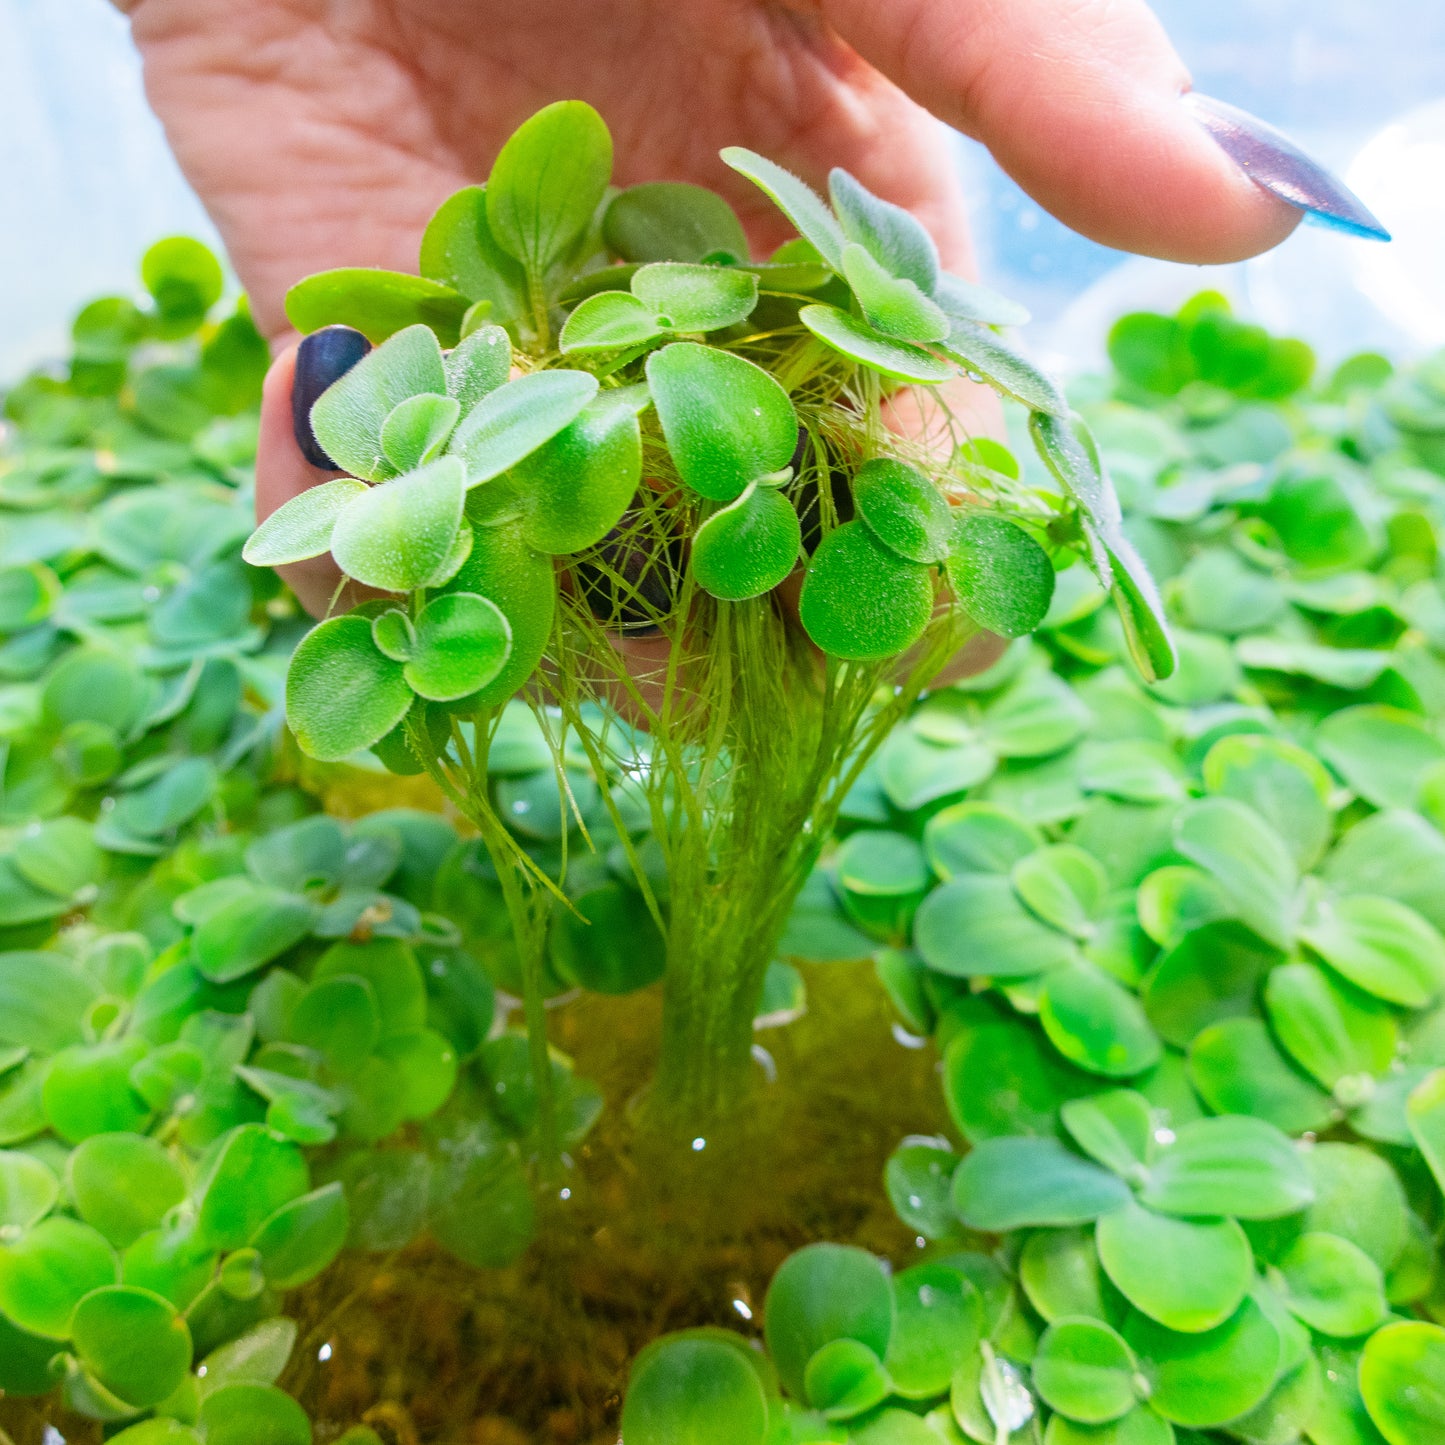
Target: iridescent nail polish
(322, 358)
(1275, 163)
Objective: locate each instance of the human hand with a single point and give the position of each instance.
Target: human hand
(323, 133)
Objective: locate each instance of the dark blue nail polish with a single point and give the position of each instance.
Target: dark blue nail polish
(1275, 163)
(323, 357)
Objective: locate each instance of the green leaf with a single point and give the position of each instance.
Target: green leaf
(608, 321)
(1381, 946)
(1022, 1182)
(1255, 868)
(1380, 752)
(1333, 1031)
(302, 1237)
(975, 926)
(133, 1342)
(1085, 1371)
(1189, 1275)
(349, 415)
(917, 1178)
(860, 602)
(337, 1017)
(1332, 1285)
(845, 1379)
(895, 307)
(302, 527)
(27, 595)
(1003, 579)
(983, 353)
(1060, 1274)
(251, 929)
(727, 422)
(1095, 1023)
(459, 251)
(511, 422)
(1228, 1166)
(416, 430)
(87, 1090)
(576, 487)
(401, 534)
(342, 695)
(27, 1191)
(976, 838)
(748, 547)
(1115, 1127)
(1063, 885)
(860, 342)
(1204, 1380)
(481, 1207)
(903, 509)
(1402, 1381)
(477, 366)
(1211, 973)
(1425, 1112)
(672, 221)
(185, 280)
(256, 1357)
(1141, 1426)
(822, 1293)
(686, 1390)
(1029, 1081)
(1283, 783)
(1237, 1068)
(695, 298)
(377, 303)
(249, 1177)
(893, 237)
(797, 201)
(547, 183)
(520, 581)
(937, 1321)
(46, 1272)
(59, 856)
(970, 301)
(246, 1414)
(123, 1184)
(462, 643)
(1395, 854)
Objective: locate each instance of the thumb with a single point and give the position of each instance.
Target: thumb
(1080, 102)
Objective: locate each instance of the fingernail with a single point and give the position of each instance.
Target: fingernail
(323, 357)
(1275, 163)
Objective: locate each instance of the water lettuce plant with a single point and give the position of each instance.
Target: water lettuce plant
(593, 419)
(1176, 944)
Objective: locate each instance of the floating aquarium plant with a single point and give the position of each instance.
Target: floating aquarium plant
(600, 452)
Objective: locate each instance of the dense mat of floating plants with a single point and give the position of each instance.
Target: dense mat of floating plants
(1178, 945)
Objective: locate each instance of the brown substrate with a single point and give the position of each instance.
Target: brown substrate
(427, 1350)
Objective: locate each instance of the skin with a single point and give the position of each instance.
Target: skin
(323, 133)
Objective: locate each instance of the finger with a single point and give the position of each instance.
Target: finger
(282, 472)
(1080, 103)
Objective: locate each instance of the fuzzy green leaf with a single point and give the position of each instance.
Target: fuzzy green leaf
(860, 342)
(575, 488)
(1022, 1182)
(748, 547)
(608, 321)
(695, 298)
(400, 535)
(342, 695)
(860, 601)
(349, 414)
(416, 430)
(903, 509)
(462, 643)
(302, 527)
(687, 1390)
(1002, 577)
(894, 307)
(459, 251)
(892, 236)
(547, 182)
(798, 202)
(727, 422)
(376, 303)
(514, 420)
(672, 221)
